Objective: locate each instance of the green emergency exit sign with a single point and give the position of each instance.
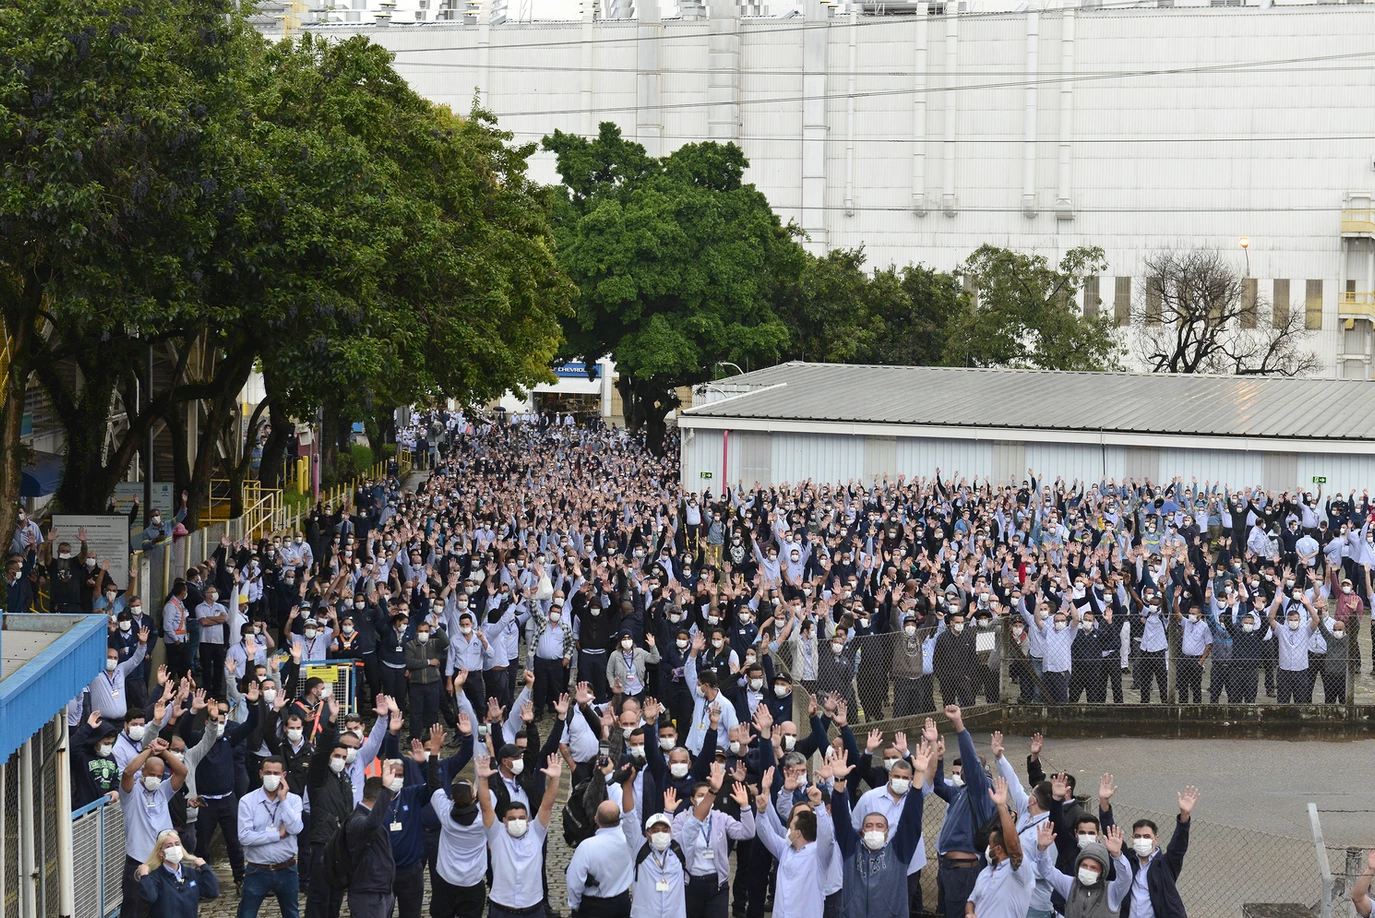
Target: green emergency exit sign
(1319, 479)
(708, 475)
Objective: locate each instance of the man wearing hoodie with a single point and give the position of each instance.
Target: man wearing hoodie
(1089, 893)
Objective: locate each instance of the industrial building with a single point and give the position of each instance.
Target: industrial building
(1135, 127)
(833, 423)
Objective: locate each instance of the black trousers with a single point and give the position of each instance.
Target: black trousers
(409, 890)
(1334, 688)
(1151, 665)
(705, 897)
(1291, 686)
(224, 815)
(740, 886)
(499, 686)
(1189, 681)
(551, 680)
(394, 684)
(449, 901)
(914, 894)
(134, 906)
(1220, 678)
(1056, 686)
(610, 907)
(592, 670)
(1245, 679)
(178, 658)
(761, 878)
(425, 701)
(1110, 672)
(322, 900)
(212, 670)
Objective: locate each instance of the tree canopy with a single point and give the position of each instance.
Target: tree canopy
(678, 263)
(173, 181)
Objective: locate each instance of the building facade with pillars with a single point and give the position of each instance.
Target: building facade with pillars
(925, 135)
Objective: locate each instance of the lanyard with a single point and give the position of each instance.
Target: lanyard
(706, 832)
(271, 811)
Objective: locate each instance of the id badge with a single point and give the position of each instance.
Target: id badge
(708, 855)
(396, 827)
(661, 886)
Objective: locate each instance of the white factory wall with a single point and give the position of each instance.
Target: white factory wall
(773, 458)
(1153, 128)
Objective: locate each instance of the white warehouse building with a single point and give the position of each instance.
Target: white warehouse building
(924, 136)
(833, 423)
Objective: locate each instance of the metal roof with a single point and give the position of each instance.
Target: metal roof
(1153, 403)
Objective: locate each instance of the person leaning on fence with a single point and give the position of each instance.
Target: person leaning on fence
(1155, 873)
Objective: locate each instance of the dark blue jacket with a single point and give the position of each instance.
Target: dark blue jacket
(215, 773)
(1161, 876)
(168, 897)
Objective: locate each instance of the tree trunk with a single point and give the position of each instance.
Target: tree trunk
(270, 470)
(651, 404)
(12, 414)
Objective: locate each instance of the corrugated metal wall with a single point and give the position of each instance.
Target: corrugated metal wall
(820, 457)
(783, 457)
(702, 453)
(921, 457)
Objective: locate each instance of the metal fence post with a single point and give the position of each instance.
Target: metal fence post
(1324, 868)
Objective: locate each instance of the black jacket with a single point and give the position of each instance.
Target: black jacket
(369, 846)
(1161, 876)
(331, 795)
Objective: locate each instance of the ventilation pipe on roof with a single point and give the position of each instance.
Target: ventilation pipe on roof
(1033, 39)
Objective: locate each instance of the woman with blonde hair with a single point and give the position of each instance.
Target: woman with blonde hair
(173, 883)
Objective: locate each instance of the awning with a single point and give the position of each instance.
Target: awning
(42, 475)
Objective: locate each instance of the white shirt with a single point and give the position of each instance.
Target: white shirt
(145, 815)
(604, 859)
(1002, 892)
(800, 890)
(517, 866)
(1141, 894)
(461, 860)
(260, 822)
(659, 887)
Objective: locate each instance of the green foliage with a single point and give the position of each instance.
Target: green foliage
(678, 264)
(362, 457)
(1024, 314)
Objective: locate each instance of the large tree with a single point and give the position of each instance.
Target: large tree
(678, 263)
(1199, 314)
(1020, 313)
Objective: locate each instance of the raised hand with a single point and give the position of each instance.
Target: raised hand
(814, 796)
(1105, 790)
(900, 743)
(482, 767)
(670, 801)
(741, 795)
(554, 769)
(1113, 840)
(1036, 743)
(995, 745)
(874, 740)
(1187, 798)
(465, 724)
(998, 792)
(561, 706)
(1059, 787)
(1045, 836)
(716, 777)
(651, 709)
(382, 707)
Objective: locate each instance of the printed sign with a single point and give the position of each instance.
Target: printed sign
(107, 536)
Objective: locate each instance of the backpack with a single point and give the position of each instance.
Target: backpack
(340, 864)
(982, 832)
(579, 813)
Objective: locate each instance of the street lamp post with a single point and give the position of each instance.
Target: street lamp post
(1246, 249)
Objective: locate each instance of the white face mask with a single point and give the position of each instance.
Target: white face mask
(957, 780)
(347, 629)
(1086, 839)
(337, 765)
(1087, 877)
(682, 643)
(636, 752)
(152, 783)
(716, 643)
(271, 783)
(628, 646)
(105, 751)
(111, 664)
(1294, 626)
(466, 629)
(136, 732)
(173, 854)
(661, 840)
(516, 827)
(294, 735)
(350, 756)
(423, 637)
(780, 691)
(789, 742)
(517, 766)
(900, 786)
(269, 695)
(874, 839)
(909, 630)
(310, 634)
(679, 769)
(554, 617)
(756, 684)
(837, 649)
(396, 785)
(1143, 846)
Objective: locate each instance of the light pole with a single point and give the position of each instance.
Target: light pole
(727, 363)
(1246, 249)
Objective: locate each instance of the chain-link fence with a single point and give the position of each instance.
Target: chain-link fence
(29, 827)
(98, 858)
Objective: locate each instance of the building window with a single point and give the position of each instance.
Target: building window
(1122, 301)
(1279, 309)
(1249, 295)
(1153, 301)
(1312, 305)
(1091, 299)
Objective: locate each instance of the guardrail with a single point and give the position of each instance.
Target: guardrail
(98, 858)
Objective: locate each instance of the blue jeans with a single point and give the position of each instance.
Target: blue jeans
(258, 884)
